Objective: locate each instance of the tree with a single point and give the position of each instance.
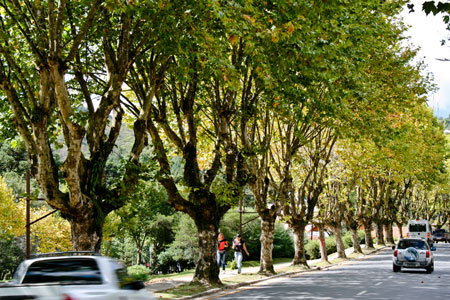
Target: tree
(73, 54)
(139, 217)
(299, 194)
(12, 214)
(48, 235)
(189, 101)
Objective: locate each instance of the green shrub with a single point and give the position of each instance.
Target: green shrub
(312, 249)
(283, 244)
(11, 254)
(233, 265)
(348, 241)
(330, 244)
(139, 272)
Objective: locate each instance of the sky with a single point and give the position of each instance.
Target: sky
(427, 33)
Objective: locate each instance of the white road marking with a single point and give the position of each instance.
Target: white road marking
(361, 293)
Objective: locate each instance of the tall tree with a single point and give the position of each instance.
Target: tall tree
(67, 79)
(188, 100)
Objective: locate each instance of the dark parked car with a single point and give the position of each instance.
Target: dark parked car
(441, 235)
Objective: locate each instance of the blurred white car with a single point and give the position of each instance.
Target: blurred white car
(413, 253)
(69, 276)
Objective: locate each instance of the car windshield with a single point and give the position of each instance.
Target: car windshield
(418, 244)
(64, 270)
(439, 231)
(417, 228)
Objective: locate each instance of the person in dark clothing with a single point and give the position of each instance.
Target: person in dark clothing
(239, 247)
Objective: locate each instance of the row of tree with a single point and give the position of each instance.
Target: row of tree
(298, 101)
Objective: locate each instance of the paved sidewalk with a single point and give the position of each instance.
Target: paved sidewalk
(164, 284)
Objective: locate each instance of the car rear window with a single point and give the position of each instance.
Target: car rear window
(418, 244)
(417, 228)
(70, 270)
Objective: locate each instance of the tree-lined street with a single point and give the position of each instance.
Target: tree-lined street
(151, 126)
(370, 278)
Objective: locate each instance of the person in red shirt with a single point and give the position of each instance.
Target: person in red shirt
(222, 245)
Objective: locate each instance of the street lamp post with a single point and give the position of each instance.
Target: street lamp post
(28, 215)
(240, 216)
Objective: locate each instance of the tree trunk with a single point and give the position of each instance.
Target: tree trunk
(389, 234)
(400, 230)
(267, 232)
(323, 246)
(87, 234)
(380, 233)
(207, 271)
(299, 243)
(339, 242)
(355, 239)
(368, 235)
(139, 253)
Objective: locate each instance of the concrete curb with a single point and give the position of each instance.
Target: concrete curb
(287, 274)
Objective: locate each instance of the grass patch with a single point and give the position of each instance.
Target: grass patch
(255, 263)
(282, 260)
(291, 268)
(250, 263)
(172, 275)
(355, 255)
(321, 264)
(338, 260)
(182, 291)
(243, 278)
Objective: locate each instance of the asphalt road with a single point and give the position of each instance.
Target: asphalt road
(370, 278)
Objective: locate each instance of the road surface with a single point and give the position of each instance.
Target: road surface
(370, 278)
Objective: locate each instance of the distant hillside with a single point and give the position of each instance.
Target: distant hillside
(123, 145)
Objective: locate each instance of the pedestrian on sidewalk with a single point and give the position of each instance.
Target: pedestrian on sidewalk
(239, 248)
(222, 245)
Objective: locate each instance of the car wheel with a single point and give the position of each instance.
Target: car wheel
(430, 268)
(396, 268)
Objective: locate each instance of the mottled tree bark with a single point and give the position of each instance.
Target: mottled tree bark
(400, 230)
(86, 235)
(389, 233)
(206, 271)
(368, 235)
(267, 232)
(379, 233)
(299, 243)
(339, 242)
(355, 239)
(323, 246)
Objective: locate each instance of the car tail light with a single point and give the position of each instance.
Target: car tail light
(67, 297)
(428, 235)
(428, 253)
(395, 253)
(407, 235)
